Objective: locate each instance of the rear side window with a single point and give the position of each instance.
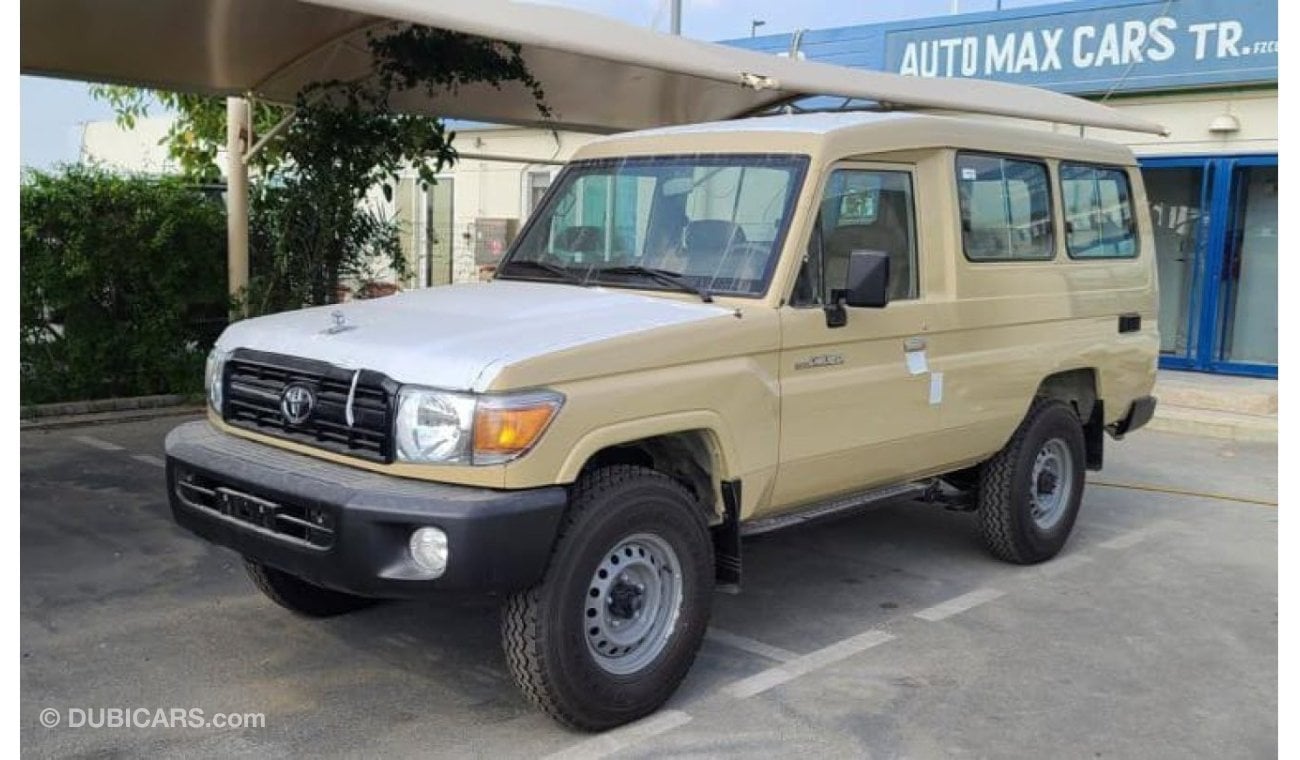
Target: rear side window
(1098, 212)
(1006, 208)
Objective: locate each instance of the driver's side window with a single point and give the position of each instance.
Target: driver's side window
(861, 210)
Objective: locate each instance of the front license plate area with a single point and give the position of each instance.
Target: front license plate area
(246, 508)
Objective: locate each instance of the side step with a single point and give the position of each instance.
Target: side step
(838, 506)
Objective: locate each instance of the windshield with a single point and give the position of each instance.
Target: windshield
(711, 224)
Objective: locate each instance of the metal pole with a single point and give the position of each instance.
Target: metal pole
(237, 199)
(676, 23)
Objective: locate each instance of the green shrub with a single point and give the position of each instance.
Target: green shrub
(123, 284)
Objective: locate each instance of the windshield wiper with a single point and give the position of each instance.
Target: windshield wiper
(555, 269)
(674, 279)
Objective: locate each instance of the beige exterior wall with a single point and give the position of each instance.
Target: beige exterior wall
(141, 150)
(1188, 116)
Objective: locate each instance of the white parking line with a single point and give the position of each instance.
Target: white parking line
(736, 641)
(1125, 540)
(761, 682)
(959, 604)
(621, 738)
(149, 459)
(97, 443)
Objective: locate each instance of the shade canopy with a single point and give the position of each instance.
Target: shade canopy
(599, 75)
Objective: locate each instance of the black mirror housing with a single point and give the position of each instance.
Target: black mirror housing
(867, 284)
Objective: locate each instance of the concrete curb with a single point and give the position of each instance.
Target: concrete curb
(96, 406)
(107, 418)
(1214, 424)
(109, 410)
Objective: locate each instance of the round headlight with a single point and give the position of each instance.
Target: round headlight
(434, 426)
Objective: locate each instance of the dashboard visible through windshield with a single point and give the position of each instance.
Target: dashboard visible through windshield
(707, 224)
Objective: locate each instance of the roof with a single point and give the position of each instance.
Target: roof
(598, 74)
(837, 135)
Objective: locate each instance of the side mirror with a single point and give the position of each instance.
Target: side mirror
(867, 286)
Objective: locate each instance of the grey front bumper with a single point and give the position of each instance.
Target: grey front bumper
(346, 528)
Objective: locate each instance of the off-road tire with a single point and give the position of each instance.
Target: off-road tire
(1005, 501)
(297, 595)
(542, 628)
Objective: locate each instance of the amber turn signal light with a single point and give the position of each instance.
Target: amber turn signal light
(506, 427)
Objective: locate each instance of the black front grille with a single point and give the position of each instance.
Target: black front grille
(254, 381)
(296, 523)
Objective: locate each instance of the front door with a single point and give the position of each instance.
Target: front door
(852, 405)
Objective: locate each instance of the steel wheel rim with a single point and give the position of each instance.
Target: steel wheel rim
(632, 604)
(1051, 483)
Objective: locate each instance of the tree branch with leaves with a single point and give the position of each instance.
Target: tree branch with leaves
(311, 226)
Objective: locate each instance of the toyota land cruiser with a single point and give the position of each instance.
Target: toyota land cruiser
(703, 332)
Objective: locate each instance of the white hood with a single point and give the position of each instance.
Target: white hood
(459, 337)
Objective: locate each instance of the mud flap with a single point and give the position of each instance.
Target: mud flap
(726, 540)
(1094, 438)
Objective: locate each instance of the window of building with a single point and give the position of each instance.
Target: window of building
(1006, 208)
(861, 210)
(1098, 212)
(538, 183)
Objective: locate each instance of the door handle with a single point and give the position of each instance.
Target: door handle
(914, 344)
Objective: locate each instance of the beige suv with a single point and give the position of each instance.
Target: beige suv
(704, 332)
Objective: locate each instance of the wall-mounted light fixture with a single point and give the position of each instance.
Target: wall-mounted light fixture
(1225, 124)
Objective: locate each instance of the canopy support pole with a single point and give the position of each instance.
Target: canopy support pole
(237, 128)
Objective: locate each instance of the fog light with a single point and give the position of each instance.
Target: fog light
(429, 550)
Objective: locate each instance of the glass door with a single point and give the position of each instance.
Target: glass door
(1215, 224)
(1177, 194)
(438, 232)
(1247, 278)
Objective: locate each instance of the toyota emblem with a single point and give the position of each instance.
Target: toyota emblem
(296, 403)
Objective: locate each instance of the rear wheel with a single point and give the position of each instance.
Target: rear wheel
(1030, 491)
(297, 595)
(617, 619)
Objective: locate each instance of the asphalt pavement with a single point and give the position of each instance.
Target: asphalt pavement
(886, 634)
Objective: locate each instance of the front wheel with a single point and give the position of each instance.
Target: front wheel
(617, 619)
(1029, 492)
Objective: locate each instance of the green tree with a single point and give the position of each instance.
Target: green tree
(311, 228)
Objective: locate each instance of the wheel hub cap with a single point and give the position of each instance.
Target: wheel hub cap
(632, 603)
(1051, 483)
(625, 600)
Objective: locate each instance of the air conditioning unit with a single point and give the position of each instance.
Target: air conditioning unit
(492, 236)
